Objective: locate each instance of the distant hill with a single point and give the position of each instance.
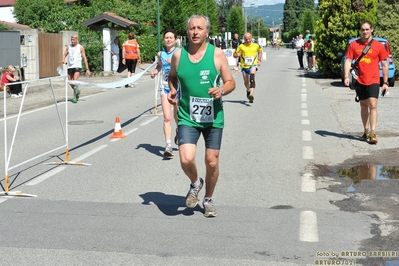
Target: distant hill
(268, 13)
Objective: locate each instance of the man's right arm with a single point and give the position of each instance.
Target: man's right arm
(347, 67)
(65, 55)
(237, 53)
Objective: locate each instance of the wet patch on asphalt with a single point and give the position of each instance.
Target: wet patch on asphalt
(371, 184)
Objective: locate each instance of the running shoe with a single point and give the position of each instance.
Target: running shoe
(177, 137)
(248, 93)
(373, 138)
(365, 137)
(209, 209)
(77, 93)
(74, 100)
(251, 98)
(192, 195)
(127, 86)
(168, 151)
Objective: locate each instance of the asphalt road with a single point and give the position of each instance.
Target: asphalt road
(280, 198)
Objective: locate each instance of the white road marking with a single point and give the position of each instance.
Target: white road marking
(306, 135)
(124, 133)
(149, 121)
(87, 154)
(308, 227)
(130, 131)
(45, 176)
(307, 153)
(308, 231)
(4, 198)
(308, 183)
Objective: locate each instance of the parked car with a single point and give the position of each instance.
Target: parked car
(391, 64)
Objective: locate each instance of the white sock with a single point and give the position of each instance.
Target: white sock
(207, 199)
(196, 184)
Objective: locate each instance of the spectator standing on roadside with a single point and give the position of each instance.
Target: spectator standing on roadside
(293, 43)
(131, 56)
(299, 45)
(115, 55)
(164, 59)
(9, 77)
(212, 40)
(368, 81)
(235, 42)
(223, 44)
(198, 68)
(306, 39)
(75, 53)
(217, 41)
(311, 54)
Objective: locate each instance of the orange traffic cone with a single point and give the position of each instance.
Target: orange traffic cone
(118, 130)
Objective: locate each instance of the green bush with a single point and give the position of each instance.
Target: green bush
(148, 47)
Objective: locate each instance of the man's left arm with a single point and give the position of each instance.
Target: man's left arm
(385, 74)
(260, 55)
(229, 84)
(82, 51)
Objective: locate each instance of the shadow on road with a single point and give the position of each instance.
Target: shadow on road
(324, 133)
(157, 150)
(168, 204)
(237, 101)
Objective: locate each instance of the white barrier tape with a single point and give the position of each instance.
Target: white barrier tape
(110, 85)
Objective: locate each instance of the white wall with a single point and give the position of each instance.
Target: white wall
(31, 51)
(6, 14)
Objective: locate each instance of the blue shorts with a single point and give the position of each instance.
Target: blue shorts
(247, 71)
(190, 135)
(164, 90)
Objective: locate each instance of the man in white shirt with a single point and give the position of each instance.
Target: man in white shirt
(299, 50)
(115, 55)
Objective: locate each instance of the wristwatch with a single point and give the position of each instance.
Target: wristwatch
(386, 83)
(221, 91)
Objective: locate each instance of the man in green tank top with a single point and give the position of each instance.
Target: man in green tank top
(197, 70)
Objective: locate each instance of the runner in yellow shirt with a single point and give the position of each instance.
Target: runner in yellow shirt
(251, 57)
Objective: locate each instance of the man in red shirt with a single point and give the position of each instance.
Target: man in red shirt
(368, 81)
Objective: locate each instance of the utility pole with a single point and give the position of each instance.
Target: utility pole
(158, 27)
(227, 27)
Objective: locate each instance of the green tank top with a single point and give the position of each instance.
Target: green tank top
(196, 107)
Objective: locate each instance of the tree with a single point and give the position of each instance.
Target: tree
(308, 21)
(176, 17)
(49, 15)
(236, 21)
(387, 25)
(339, 20)
(293, 17)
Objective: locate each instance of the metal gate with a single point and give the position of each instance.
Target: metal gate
(50, 54)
